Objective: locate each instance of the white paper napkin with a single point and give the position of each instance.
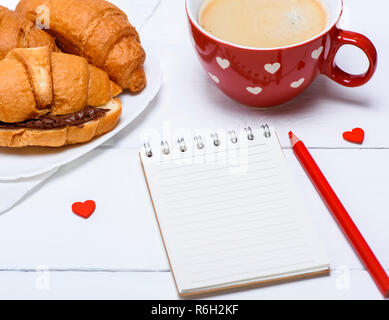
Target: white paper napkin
(11, 192)
(139, 11)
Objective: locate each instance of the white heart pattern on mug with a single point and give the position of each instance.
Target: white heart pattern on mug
(223, 63)
(272, 68)
(214, 78)
(317, 53)
(255, 91)
(297, 84)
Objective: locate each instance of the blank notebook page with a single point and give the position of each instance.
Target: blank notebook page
(229, 214)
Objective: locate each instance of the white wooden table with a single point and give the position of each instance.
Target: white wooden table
(47, 252)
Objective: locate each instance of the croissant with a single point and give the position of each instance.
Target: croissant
(98, 31)
(35, 82)
(18, 32)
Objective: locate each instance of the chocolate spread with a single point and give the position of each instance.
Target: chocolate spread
(54, 122)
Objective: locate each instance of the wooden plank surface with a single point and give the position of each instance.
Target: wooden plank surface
(342, 284)
(189, 100)
(122, 234)
(107, 256)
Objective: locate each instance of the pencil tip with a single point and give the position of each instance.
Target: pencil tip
(293, 138)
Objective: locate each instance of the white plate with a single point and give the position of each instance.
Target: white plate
(28, 162)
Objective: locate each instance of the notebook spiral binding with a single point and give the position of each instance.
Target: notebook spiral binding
(200, 144)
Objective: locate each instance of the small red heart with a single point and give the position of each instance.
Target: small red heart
(84, 209)
(355, 136)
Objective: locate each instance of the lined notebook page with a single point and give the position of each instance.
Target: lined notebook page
(229, 214)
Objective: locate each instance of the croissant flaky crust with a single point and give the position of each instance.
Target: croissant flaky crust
(98, 31)
(35, 82)
(18, 32)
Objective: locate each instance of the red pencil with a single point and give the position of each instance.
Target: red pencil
(341, 216)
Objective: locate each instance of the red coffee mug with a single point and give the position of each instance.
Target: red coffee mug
(268, 77)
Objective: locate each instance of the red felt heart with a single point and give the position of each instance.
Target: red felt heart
(84, 209)
(355, 136)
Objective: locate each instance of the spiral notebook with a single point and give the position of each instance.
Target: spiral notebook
(229, 213)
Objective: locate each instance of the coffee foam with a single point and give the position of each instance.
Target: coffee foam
(264, 23)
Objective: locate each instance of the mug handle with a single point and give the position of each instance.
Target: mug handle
(331, 70)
